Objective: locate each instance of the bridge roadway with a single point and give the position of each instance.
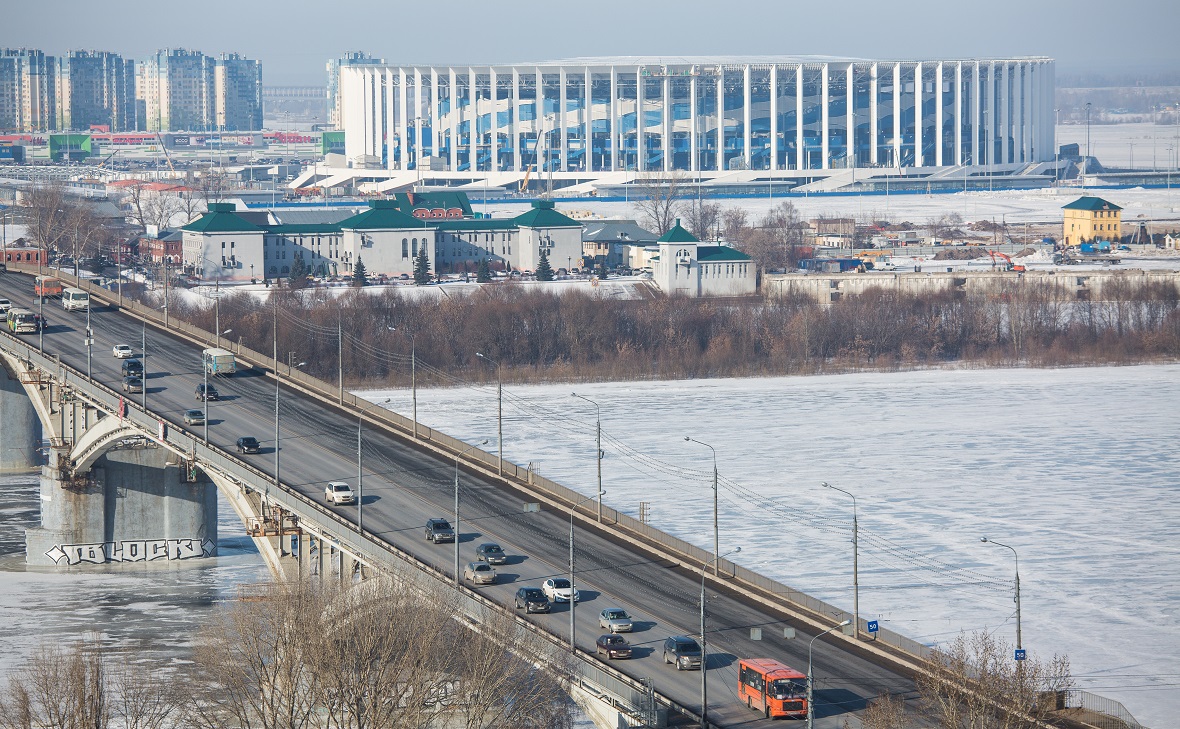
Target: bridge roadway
(405, 486)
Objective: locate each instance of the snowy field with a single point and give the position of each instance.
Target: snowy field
(1075, 468)
(1141, 146)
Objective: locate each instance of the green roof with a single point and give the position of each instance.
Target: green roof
(408, 202)
(1091, 203)
(221, 218)
(476, 224)
(714, 254)
(677, 234)
(543, 215)
(381, 215)
(304, 229)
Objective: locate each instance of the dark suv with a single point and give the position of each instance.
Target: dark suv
(203, 391)
(439, 531)
(132, 368)
(248, 444)
(532, 600)
(683, 651)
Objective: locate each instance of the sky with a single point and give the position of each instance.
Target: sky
(295, 38)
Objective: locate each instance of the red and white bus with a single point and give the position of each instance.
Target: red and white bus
(773, 688)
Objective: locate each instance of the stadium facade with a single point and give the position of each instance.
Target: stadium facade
(710, 115)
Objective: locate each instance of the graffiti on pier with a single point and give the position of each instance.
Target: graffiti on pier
(141, 550)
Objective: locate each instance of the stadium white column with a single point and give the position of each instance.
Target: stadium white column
(562, 101)
(368, 111)
(390, 120)
(666, 121)
(694, 164)
(919, 117)
(418, 137)
(472, 122)
(747, 158)
(824, 120)
(403, 120)
(452, 118)
(640, 121)
(990, 115)
(1005, 114)
(850, 114)
(897, 114)
(938, 115)
(975, 114)
(774, 117)
(958, 112)
(1030, 111)
(1049, 124)
(614, 119)
(514, 121)
(873, 131)
(800, 160)
(1016, 112)
(539, 125)
(432, 113)
(720, 118)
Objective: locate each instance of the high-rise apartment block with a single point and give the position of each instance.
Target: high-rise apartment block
(355, 58)
(179, 89)
(237, 93)
(27, 90)
(95, 88)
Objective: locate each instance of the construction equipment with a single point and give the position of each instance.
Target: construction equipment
(108, 158)
(164, 149)
(1007, 264)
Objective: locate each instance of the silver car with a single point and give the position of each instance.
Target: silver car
(616, 620)
(480, 573)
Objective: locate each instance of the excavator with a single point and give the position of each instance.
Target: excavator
(1007, 264)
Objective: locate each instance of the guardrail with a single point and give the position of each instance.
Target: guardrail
(1109, 714)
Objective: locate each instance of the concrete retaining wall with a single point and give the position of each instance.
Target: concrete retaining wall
(20, 428)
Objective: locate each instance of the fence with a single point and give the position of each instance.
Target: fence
(1100, 711)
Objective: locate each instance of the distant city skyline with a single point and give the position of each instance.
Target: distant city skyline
(295, 39)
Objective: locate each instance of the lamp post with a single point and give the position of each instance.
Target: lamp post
(278, 374)
(573, 589)
(460, 455)
(1019, 646)
(499, 408)
(716, 538)
(360, 488)
(205, 398)
(855, 554)
(704, 652)
(413, 376)
(89, 337)
(810, 678)
(598, 448)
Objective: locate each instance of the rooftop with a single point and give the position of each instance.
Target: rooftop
(1090, 203)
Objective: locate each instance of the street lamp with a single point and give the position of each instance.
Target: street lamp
(573, 590)
(89, 337)
(810, 678)
(704, 653)
(855, 553)
(205, 396)
(598, 450)
(499, 408)
(457, 457)
(716, 539)
(413, 375)
(360, 489)
(1019, 646)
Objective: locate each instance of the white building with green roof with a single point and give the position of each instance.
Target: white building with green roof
(686, 267)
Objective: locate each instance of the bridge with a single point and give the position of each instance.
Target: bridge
(127, 479)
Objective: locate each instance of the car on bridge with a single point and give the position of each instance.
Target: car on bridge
(612, 646)
(532, 600)
(132, 368)
(122, 351)
(5, 305)
(439, 531)
(616, 620)
(491, 553)
(132, 384)
(339, 493)
(557, 589)
(203, 391)
(480, 573)
(248, 444)
(684, 652)
(194, 417)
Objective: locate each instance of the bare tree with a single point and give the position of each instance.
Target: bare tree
(58, 687)
(190, 203)
(658, 198)
(946, 226)
(213, 186)
(159, 210)
(885, 712)
(735, 226)
(143, 697)
(703, 218)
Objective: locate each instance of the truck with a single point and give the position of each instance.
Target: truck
(219, 361)
(46, 286)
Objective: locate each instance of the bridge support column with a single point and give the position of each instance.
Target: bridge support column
(319, 558)
(131, 507)
(20, 428)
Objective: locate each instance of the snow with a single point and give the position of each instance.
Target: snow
(1075, 468)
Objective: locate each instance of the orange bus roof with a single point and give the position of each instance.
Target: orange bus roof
(772, 669)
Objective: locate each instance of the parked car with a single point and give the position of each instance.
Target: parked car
(491, 553)
(479, 573)
(612, 646)
(683, 651)
(557, 589)
(203, 391)
(439, 531)
(339, 493)
(248, 444)
(616, 620)
(132, 368)
(122, 351)
(132, 384)
(532, 600)
(194, 417)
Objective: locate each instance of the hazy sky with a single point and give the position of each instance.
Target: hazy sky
(294, 38)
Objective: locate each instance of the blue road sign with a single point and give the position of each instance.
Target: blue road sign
(873, 626)
(1020, 654)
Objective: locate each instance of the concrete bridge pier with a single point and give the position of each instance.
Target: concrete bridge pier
(20, 428)
(133, 505)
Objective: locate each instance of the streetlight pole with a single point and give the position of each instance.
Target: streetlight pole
(716, 537)
(89, 338)
(1019, 645)
(855, 554)
(573, 589)
(598, 449)
(499, 409)
(458, 577)
(205, 394)
(413, 376)
(810, 678)
(360, 488)
(704, 652)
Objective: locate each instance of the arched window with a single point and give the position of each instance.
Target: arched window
(274, 270)
(405, 248)
(286, 269)
(414, 246)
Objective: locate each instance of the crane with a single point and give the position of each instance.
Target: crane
(1007, 265)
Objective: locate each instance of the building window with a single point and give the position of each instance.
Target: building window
(405, 248)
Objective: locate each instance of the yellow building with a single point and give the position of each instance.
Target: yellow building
(1089, 219)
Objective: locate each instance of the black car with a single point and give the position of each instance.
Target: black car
(132, 368)
(439, 530)
(683, 651)
(248, 444)
(532, 600)
(491, 553)
(612, 646)
(203, 391)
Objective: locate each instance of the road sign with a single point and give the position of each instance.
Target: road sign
(1020, 654)
(873, 626)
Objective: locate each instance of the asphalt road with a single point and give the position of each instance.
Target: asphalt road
(403, 487)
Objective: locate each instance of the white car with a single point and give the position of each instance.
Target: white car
(616, 620)
(339, 492)
(557, 589)
(122, 351)
(480, 573)
(5, 305)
